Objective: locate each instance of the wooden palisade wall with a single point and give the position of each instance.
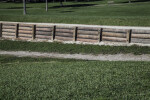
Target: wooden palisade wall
(71, 33)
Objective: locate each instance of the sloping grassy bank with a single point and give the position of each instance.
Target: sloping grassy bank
(70, 48)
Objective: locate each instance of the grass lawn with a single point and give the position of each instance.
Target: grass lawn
(53, 79)
(57, 47)
(96, 12)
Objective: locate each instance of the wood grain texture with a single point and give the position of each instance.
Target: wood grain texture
(43, 37)
(64, 34)
(8, 30)
(25, 31)
(8, 33)
(114, 39)
(142, 36)
(121, 35)
(88, 32)
(63, 38)
(43, 33)
(87, 37)
(86, 40)
(8, 27)
(25, 28)
(64, 30)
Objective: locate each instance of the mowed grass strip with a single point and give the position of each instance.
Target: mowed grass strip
(94, 13)
(55, 79)
(8, 45)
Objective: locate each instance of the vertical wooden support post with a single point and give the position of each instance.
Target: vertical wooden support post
(75, 32)
(53, 32)
(100, 34)
(129, 32)
(0, 30)
(33, 31)
(16, 30)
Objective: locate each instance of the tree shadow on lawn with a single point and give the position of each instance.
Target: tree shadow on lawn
(17, 7)
(75, 5)
(136, 1)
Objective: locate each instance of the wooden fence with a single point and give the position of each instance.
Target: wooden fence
(72, 33)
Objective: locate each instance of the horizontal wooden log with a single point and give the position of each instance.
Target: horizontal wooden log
(25, 28)
(25, 25)
(64, 30)
(86, 40)
(8, 27)
(25, 35)
(65, 27)
(138, 31)
(138, 40)
(88, 28)
(142, 36)
(44, 29)
(8, 30)
(114, 30)
(43, 33)
(122, 35)
(114, 39)
(87, 37)
(9, 24)
(64, 34)
(24, 31)
(43, 37)
(88, 32)
(63, 38)
(7, 33)
(44, 26)
(8, 36)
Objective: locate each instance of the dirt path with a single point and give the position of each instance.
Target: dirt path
(102, 57)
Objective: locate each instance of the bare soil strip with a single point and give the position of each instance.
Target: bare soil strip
(101, 57)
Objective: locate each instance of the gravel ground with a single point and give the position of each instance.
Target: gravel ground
(101, 57)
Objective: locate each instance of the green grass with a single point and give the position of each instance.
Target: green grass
(55, 79)
(70, 48)
(134, 14)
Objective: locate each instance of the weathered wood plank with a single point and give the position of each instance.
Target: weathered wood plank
(26, 32)
(43, 33)
(88, 28)
(138, 40)
(7, 33)
(25, 28)
(8, 36)
(142, 36)
(9, 24)
(64, 30)
(88, 32)
(8, 27)
(63, 38)
(44, 29)
(25, 25)
(115, 39)
(122, 35)
(8, 30)
(114, 30)
(87, 37)
(64, 34)
(25, 35)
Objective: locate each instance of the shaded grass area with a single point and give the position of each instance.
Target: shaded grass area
(41, 78)
(9, 45)
(93, 13)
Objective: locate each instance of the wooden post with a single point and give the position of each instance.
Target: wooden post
(75, 31)
(0, 30)
(16, 30)
(33, 31)
(129, 32)
(100, 34)
(53, 32)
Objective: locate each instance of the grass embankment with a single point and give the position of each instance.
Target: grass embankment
(53, 79)
(96, 12)
(70, 48)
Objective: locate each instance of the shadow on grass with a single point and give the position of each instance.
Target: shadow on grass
(17, 7)
(75, 5)
(136, 1)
